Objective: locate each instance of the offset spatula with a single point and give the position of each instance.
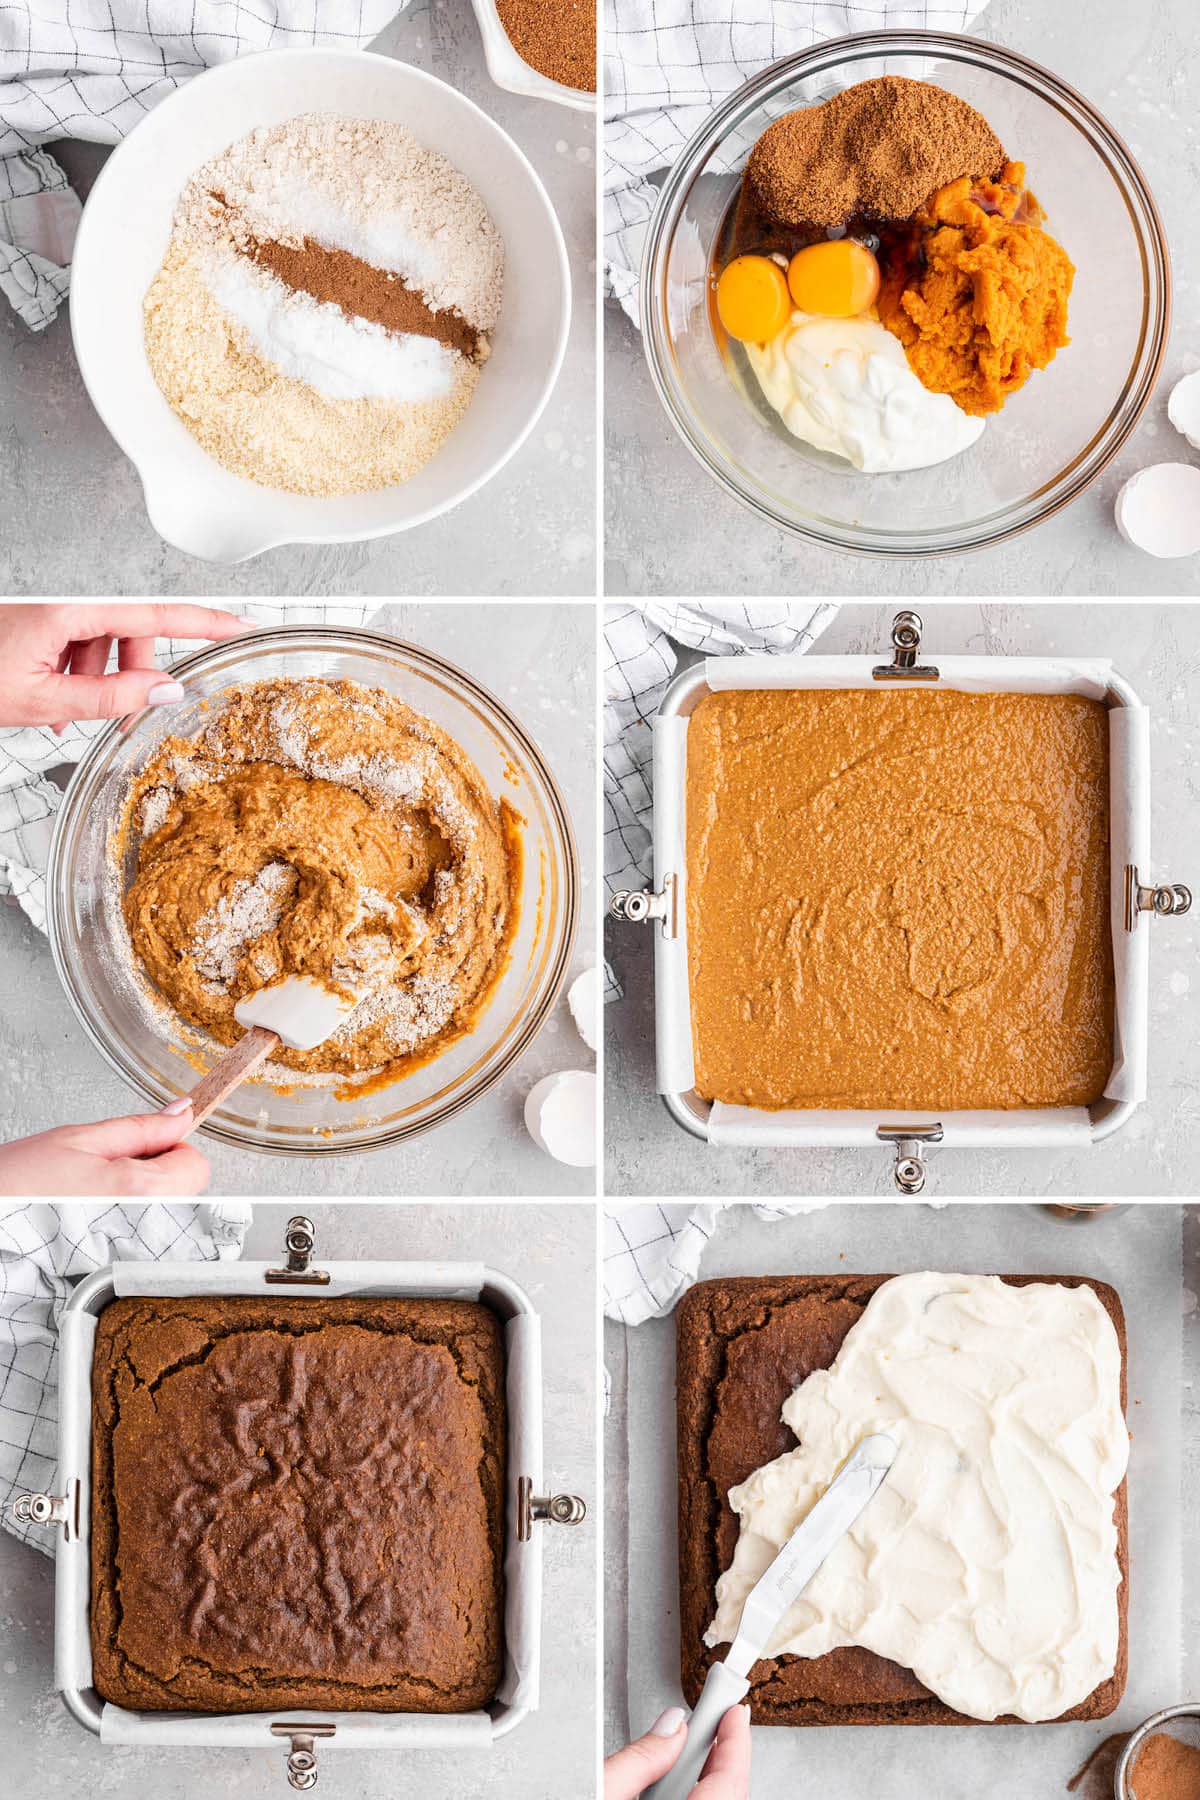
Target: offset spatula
(823, 1526)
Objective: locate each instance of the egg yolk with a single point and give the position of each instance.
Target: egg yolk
(752, 299)
(838, 278)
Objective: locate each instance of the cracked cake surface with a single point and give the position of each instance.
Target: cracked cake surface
(743, 1343)
(297, 1503)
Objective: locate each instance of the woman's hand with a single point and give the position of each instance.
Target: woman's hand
(52, 668)
(118, 1158)
(53, 658)
(726, 1774)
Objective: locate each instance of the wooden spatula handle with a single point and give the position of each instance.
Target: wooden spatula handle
(229, 1071)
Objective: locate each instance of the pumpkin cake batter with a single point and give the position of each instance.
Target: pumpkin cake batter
(899, 900)
(323, 828)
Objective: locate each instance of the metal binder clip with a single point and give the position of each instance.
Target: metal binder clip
(298, 1243)
(637, 908)
(908, 1171)
(1168, 901)
(302, 1754)
(50, 1509)
(545, 1509)
(906, 642)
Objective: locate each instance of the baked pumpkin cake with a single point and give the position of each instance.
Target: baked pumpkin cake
(297, 1503)
(744, 1345)
(899, 899)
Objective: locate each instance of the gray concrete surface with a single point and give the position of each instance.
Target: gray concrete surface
(669, 530)
(539, 660)
(550, 1250)
(1137, 1248)
(72, 519)
(1158, 649)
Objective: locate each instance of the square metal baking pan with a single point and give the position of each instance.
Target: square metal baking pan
(301, 1733)
(1132, 902)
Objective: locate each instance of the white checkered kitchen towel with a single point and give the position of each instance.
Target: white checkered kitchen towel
(35, 764)
(652, 1250)
(91, 69)
(669, 63)
(44, 1249)
(638, 665)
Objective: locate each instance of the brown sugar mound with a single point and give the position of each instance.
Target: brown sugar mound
(988, 303)
(878, 149)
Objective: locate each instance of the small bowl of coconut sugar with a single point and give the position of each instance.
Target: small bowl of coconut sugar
(544, 49)
(317, 296)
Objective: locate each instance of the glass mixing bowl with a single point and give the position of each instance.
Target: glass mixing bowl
(110, 996)
(1052, 438)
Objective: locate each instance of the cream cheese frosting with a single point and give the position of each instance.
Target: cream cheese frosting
(987, 1563)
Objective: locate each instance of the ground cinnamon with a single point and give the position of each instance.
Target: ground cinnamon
(1094, 1781)
(555, 37)
(1165, 1768)
(360, 289)
(878, 150)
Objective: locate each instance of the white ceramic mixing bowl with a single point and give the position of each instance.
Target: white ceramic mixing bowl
(194, 502)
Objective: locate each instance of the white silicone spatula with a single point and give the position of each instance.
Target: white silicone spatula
(295, 1012)
(821, 1528)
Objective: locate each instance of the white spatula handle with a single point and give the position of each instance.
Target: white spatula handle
(722, 1689)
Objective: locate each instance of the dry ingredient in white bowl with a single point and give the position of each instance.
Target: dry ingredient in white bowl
(325, 305)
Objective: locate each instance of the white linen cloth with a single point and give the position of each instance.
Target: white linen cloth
(652, 1250)
(44, 1250)
(669, 63)
(30, 798)
(91, 69)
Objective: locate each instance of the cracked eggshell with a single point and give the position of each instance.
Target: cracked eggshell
(560, 1116)
(1158, 509)
(583, 998)
(1183, 408)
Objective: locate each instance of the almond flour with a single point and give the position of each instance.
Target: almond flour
(251, 910)
(155, 808)
(325, 304)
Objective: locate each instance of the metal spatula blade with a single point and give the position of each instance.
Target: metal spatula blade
(823, 1526)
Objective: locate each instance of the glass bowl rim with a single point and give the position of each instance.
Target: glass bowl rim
(279, 636)
(1129, 180)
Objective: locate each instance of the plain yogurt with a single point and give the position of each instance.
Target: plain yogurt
(844, 385)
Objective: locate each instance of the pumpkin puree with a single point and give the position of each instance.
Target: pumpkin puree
(984, 301)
